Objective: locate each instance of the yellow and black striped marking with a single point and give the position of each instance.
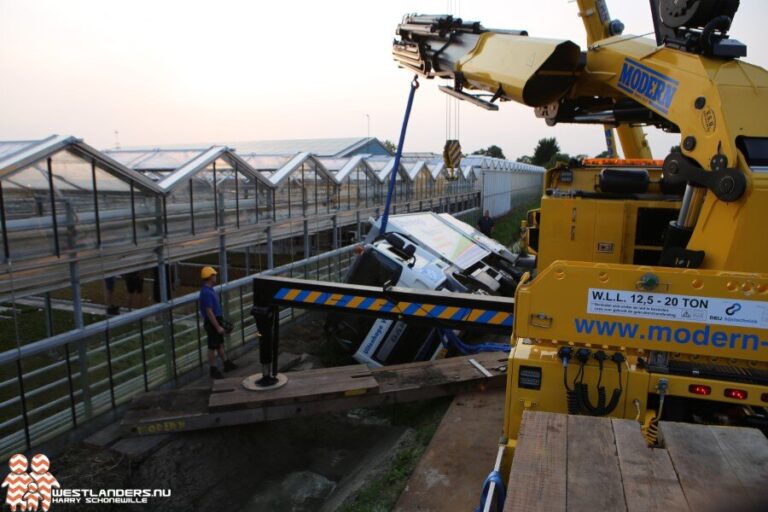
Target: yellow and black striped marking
(452, 154)
(404, 308)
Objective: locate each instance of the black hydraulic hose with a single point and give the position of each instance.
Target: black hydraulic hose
(570, 395)
(600, 389)
(582, 392)
(573, 402)
(722, 24)
(602, 409)
(616, 394)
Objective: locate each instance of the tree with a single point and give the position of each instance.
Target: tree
(558, 158)
(604, 154)
(545, 152)
(675, 149)
(493, 151)
(391, 147)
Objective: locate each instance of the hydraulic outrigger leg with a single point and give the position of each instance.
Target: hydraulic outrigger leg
(268, 323)
(420, 307)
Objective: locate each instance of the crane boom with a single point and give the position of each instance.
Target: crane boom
(693, 84)
(598, 26)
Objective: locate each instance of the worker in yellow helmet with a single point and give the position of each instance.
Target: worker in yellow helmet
(210, 310)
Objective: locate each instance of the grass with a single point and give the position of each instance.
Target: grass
(31, 324)
(507, 228)
(381, 493)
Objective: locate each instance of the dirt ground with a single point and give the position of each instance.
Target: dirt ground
(305, 464)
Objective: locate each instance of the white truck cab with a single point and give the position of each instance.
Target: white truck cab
(419, 251)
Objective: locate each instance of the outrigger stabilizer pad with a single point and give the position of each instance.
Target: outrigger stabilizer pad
(268, 324)
(260, 382)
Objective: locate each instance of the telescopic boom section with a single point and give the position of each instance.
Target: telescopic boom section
(506, 64)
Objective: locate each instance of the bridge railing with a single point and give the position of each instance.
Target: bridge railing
(50, 387)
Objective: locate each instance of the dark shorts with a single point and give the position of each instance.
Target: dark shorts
(109, 282)
(215, 340)
(134, 283)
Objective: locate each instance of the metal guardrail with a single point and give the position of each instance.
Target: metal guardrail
(65, 380)
(54, 385)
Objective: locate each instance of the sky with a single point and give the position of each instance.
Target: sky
(162, 72)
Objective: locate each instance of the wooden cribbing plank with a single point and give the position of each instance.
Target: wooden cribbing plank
(594, 477)
(309, 392)
(746, 450)
(397, 378)
(650, 481)
(185, 399)
(229, 394)
(537, 481)
(706, 477)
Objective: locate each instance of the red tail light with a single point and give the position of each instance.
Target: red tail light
(736, 394)
(764, 397)
(699, 389)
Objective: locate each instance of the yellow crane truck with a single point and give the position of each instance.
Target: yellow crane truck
(649, 296)
(644, 294)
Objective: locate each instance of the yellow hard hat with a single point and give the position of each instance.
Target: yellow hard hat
(207, 272)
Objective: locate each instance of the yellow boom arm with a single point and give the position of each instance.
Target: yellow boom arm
(692, 85)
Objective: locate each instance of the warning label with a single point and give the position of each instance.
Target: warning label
(679, 308)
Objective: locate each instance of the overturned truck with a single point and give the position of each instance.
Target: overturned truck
(422, 251)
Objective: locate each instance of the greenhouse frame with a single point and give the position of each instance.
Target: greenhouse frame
(74, 218)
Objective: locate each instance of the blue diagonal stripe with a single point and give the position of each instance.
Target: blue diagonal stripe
(282, 292)
(366, 303)
(486, 317)
(412, 309)
(436, 311)
(302, 295)
(345, 300)
(460, 314)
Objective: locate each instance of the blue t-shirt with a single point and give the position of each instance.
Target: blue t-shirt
(486, 225)
(209, 299)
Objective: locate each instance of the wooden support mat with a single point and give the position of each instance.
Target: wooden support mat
(311, 392)
(320, 384)
(581, 463)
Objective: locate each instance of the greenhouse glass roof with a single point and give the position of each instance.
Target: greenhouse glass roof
(63, 200)
(295, 163)
(154, 160)
(265, 163)
(340, 147)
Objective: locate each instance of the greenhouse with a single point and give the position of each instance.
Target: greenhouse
(303, 186)
(420, 179)
(358, 184)
(382, 166)
(203, 190)
(76, 220)
(63, 200)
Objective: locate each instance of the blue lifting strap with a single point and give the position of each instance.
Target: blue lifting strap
(493, 477)
(398, 154)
